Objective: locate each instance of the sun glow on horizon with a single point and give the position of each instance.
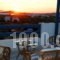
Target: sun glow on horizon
(39, 6)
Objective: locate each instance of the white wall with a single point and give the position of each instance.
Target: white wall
(48, 27)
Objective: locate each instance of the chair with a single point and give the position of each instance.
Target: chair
(19, 51)
(5, 53)
(25, 52)
(48, 54)
(51, 41)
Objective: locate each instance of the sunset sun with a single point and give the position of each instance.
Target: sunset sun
(16, 7)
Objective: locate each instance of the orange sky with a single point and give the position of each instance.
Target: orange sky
(33, 6)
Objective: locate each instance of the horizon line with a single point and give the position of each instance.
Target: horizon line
(26, 12)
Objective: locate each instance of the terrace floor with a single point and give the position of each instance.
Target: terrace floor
(14, 51)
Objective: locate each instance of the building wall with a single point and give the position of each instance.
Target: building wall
(48, 27)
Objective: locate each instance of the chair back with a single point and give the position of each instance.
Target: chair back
(5, 53)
